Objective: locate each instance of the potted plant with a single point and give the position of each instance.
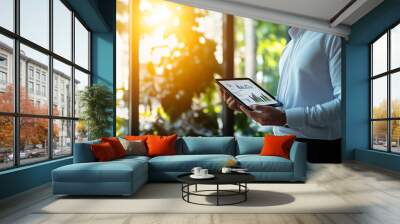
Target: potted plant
(96, 103)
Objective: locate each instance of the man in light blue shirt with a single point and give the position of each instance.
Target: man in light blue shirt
(310, 90)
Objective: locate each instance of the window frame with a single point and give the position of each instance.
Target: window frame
(16, 115)
(388, 74)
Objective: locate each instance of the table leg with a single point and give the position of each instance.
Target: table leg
(195, 188)
(245, 193)
(217, 194)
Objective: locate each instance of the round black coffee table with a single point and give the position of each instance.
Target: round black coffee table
(238, 179)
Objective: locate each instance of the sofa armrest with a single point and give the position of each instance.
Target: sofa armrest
(298, 155)
(83, 152)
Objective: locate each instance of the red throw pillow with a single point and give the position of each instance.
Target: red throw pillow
(277, 145)
(103, 152)
(116, 145)
(161, 145)
(135, 138)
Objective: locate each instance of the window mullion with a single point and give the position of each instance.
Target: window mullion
(73, 81)
(16, 84)
(50, 81)
(389, 113)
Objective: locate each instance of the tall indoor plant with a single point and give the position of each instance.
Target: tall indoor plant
(96, 103)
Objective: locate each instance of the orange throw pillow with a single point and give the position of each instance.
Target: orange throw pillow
(161, 145)
(277, 145)
(135, 138)
(103, 152)
(116, 145)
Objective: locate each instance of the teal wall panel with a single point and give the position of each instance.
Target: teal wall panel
(356, 85)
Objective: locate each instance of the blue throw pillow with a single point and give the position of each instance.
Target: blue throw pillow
(207, 145)
(249, 145)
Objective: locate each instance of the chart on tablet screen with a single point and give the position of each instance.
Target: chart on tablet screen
(248, 92)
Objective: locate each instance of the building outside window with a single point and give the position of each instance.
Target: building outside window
(33, 76)
(385, 92)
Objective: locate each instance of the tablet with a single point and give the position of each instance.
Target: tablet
(248, 93)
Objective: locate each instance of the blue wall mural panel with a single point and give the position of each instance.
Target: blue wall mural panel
(356, 84)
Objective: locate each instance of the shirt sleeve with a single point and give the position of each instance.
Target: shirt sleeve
(321, 115)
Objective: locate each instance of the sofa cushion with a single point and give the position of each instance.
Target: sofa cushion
(249, 145)
(134, 147)
(161, 145)
(185, 163)
(277, 145)
(103, 152)
(112, 171)
(116, 145)
(206, 145)
(257, 163)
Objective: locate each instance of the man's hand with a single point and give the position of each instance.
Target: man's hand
(266, 115)
(230, 101)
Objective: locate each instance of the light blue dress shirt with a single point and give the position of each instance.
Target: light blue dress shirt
(310, 85)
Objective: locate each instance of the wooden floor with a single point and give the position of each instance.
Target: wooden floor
(378, 189)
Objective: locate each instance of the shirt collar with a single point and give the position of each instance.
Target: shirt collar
(295, 32)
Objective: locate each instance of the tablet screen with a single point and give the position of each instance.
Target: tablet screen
(248, 92)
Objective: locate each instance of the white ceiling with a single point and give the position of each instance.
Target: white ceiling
(321, 9)
(329, 16)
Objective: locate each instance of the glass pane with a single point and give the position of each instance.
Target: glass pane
(122, 54)
(81, 45)
(62, 89)
(35, 21)
(258, 48)
(62, 138)
(395, 94)
(81, 81)
(81, 131)
(62, 29)
(379, 56)
(33, 139)
(7, 14)
(379, 98)
(379, 135)
(395, 47)
(34, 77)
(6, 142)
(180, 55)
(6, 74)
(395, 136)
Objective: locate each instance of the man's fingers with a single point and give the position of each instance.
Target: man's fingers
(247, 112)
(260, 107)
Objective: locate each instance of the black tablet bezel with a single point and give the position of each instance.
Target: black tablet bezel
(279, 104)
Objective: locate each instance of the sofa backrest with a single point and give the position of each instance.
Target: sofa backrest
(248, 145)
(206, 145)
(83, 152)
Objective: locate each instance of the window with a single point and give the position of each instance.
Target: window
(385, 94)
(34, 21)
(30, 72)
(61, 73)
(6, 71)
(255, 58)
(44, 91)
(7, 14)
(3, 78)
(81, 45)
(45, 131)
(179, 48)
(62, 29)
(30, 87)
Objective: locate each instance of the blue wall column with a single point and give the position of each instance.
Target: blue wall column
(103, 69)
(356, 84)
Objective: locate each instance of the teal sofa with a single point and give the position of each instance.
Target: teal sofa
(125, 176)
